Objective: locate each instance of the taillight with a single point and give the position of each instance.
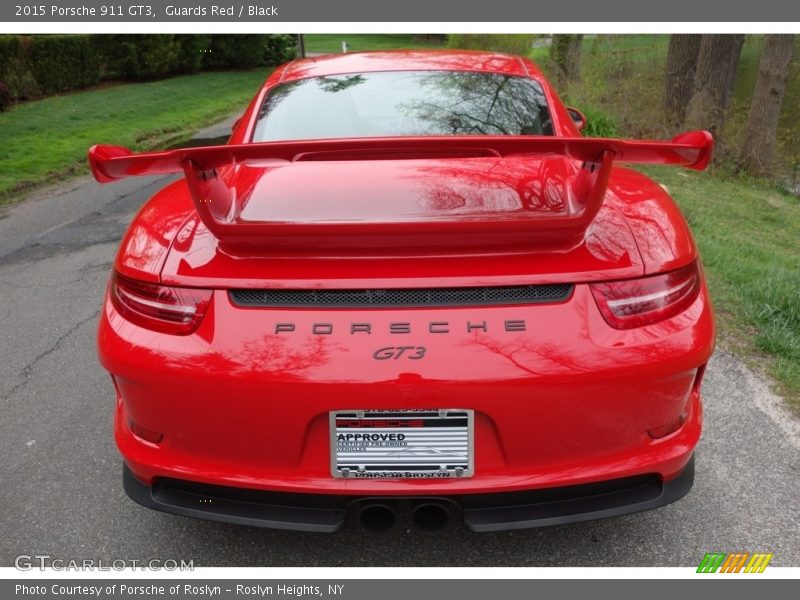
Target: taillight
(638, 302)
(162, 308)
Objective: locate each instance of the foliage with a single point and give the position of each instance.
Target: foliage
(598, 124)
(234, 51)
(191, 49)
(279, 48)
(249, 50)
(63, 62)
(15, 70)
(140, 57)
(32, 66)
(511, 43)
(5, 97)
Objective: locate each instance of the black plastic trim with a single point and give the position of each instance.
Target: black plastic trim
(326, 513)
(402, 297)
(274, 510)
(573, 504)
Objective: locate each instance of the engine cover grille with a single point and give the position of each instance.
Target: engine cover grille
(408, 297)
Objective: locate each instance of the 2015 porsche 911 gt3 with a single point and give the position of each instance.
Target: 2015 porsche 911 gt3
(407, 284)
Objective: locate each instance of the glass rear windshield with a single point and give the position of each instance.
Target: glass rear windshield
(403, 103)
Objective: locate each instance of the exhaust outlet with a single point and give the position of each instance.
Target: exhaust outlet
(430, 516)
(377, 517)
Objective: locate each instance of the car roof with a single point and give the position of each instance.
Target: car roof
(409, 60)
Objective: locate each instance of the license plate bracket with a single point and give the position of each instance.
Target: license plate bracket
(402, 444)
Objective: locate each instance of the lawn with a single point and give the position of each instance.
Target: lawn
(357, 42)
(49, 138)
(749, 239)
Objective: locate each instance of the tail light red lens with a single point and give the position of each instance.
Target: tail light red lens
(638, 302)
(148, 435)
(162, 308)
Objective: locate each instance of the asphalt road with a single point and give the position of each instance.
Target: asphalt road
(60, 474)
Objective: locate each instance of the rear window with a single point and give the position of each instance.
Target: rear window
(403, 103)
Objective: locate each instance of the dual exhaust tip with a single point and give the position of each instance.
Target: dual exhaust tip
(430, 516)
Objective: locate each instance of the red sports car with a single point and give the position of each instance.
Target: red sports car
(407, 286)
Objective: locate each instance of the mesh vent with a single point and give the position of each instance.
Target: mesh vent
(463, 296)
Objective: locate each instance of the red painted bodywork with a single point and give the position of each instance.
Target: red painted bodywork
(570, 400)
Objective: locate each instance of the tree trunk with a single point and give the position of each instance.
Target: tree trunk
(762, 121)
(574, 57)
(679, 77)
(733, 66)
(717, 60)
(565, 54)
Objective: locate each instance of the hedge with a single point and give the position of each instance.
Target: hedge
(5, 97)
(249, 50)
(15, 68)
(32, 66)
(63, 62)
(154, 56)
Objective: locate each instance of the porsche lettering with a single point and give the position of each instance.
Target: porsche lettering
(398, 328)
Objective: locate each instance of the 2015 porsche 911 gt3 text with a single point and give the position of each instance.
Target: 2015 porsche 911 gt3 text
(407, 283)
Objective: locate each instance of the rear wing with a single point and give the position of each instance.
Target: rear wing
(219, 206)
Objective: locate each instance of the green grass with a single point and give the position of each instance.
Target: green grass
(357, 42)
(49, 138)
(749, 238)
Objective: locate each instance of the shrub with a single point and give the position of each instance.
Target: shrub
(280, 49)
(15, 69)
(239, 51)
(5, 97)
(511, 43)
(598, 124)
(190, 52)
(9, 45)
(63, 62)
(146, 56)
(242, 51)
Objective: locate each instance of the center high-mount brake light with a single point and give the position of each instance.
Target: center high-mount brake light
(162, 308)
(638, 302)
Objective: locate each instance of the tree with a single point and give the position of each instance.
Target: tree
(679, 76)
(565, 54)
(760, 131)
(733, 66)
(715, 76)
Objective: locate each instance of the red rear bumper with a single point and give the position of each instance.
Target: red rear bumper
(568, 401)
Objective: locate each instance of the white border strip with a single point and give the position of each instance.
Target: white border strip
(306, 573)
(405, 27)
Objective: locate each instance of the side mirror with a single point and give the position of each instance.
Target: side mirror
(578, 118)
(236, 124)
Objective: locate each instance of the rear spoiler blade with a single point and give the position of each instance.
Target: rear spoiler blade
(219, 208)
